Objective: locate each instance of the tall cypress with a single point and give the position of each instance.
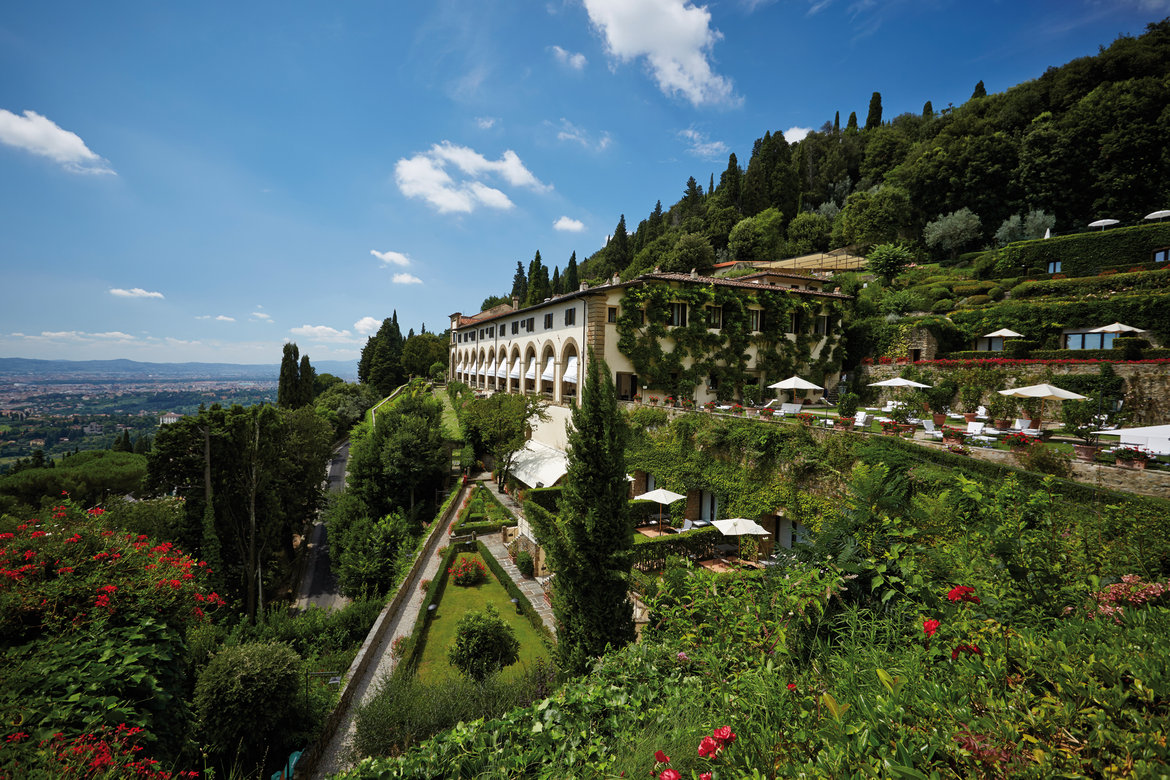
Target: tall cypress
(557, 286)
(874, 118)
(588, 542)
(520, 283)
(980, 90)
(852, 123)
(287, 389)
(308, 375)
(571, 284)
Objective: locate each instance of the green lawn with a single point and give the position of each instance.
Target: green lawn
(440, 634)
(450, 420)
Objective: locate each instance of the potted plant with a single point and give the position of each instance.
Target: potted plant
(1131, 457)
(889, 427)
(653, 400)
(846, 409)
(1002, 409)
(736, 409)
(951, 435)
(969, 397)
(1019, 440)
(1080, 420)
(939, 397)
(806, 418)
(766, 413)
(688, 403)
(709, 406)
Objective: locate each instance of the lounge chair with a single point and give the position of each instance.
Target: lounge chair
(931, 431)
(788, 410)
(976, 432)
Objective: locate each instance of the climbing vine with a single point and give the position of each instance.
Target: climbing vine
(698, 352)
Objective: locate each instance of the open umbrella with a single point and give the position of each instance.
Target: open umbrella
(1117, 327)
(1158, 215)
(794, 383)
(1103, 223)
(1044, 392)
(662, 497)
(898, 382)
(1002, 333)
(740, 526)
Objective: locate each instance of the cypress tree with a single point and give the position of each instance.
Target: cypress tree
(589, 541)
(287, 390)
(980, 90)
(308, 376)
(928, 110)
(836, 123)
(538, 282)
(852, 123)
(520, 283)
(874, 118)
(571, 283)
(555, 287)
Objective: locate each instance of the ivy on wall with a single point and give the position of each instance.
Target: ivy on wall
(1084, 253)
(699, 352)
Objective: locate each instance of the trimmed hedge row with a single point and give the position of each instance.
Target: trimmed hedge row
(1084, 253)
(651, 554)
(515, 592)
(498, 515)
(1092, 285)
(1044, 319)
(547, 498)
(434, 592)
(1116, 355)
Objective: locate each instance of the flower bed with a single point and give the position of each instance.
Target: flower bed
(467, 571)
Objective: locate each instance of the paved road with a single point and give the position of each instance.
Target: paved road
(319, 583)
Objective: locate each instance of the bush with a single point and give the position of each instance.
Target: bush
(467, 572)
(847, 404)
(1046, 460)
(484, 644)
(246, 702)
(525, 564)
(1085, 253)
(977, 300)
(942, 306)
(995, 293)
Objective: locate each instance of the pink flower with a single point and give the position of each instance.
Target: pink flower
(708, 748)
(670, 774)
(661, 757)
(724, 735)
(929, 626)
(683, 656)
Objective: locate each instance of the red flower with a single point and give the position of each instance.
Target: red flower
(705, 776)
(969, 649)
(661, 757)
(708, 748)
(929, 626)
(724, 735)
(962, 593)
(670, 774)
(97, 511)
(36, 534)
(792, 686)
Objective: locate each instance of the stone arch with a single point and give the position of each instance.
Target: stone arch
(515, 369)
(530, 370)
(569, 374)
(548, 370)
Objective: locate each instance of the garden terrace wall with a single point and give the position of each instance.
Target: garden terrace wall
(1084, 253)
(308, 763)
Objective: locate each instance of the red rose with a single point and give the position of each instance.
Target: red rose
(724, 735)
(661, 757)
(708, 748)
(792, 686)
(670, 774)
(962, 593)
(705, 776)
(929, 627)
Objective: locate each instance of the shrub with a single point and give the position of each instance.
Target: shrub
(1046, 460)
(847, 404)
(525, 563)
(467, 571)
(245, 702)
(977, 300)
(942, 306)
(484, 644)
(995, 293)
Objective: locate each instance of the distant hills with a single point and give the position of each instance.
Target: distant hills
(129, 370)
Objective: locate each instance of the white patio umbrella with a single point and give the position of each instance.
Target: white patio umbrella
(1158, 215)
(1103, 223)
(739, 526)
(1044, 392)
(898, 382)
(660, 496)
(1003, 333)
(794, 383)
(1117, 327)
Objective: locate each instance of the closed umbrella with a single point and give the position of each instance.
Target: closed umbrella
(660, 496)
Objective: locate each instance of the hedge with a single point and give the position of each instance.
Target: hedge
(1094, 285)
(1083, 254)
(1109, 355)
(548, 498)
(515, 592)
(1042, 319)
(498, 516)
(650, 554)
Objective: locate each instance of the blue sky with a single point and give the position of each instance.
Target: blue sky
(204, 181)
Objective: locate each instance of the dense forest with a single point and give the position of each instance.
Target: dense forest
(1083, 141)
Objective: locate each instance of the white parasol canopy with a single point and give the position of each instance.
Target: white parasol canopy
(795, 383)
(1159, 215)
(1103, 223)
(1044, 392)
(898, 382)
(738, 526)
(1003, 333)
(1117, 327)
(660, 496)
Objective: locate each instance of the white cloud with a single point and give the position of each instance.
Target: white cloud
(367, 326)
(225, 318)
(80, 336)
(700, 146)
(485, 122)
(259, 315)
(569, 225)
(425, 176)
(134, 292)
(673, 36)
(391, 258)
(570, 132)
(324, 333)
(574, 60)
(794, 134)
(202, 316)
(41, 136)
(113, 334)
(406, 279)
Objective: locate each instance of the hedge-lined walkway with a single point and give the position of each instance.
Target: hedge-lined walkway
(529, 586)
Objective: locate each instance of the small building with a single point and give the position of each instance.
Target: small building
(168, 418)
(94, 429)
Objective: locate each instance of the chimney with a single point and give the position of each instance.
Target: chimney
(515, 303)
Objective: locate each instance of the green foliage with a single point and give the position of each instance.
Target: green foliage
(874, 217)
(1081, 254)
(847, 404)
(690, 251)
(888, 260)
(484, 644)
(370, 551)
(1092, 286)
(525, 564)
(808, 232)
(952, 232)
(498, 426)
(246, 702)
(90, 477)
(757, 238)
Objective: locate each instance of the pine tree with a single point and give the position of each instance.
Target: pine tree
(874, 118)
(287, 388)
(980, 90)
(571, 283)
(589, 541)
(520, 283)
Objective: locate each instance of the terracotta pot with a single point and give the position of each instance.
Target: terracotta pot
(1085, 452)
(940, 418)
(969, 416)
(1138, 465)
(843, 423)
(952, 440)
(1003, 423)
